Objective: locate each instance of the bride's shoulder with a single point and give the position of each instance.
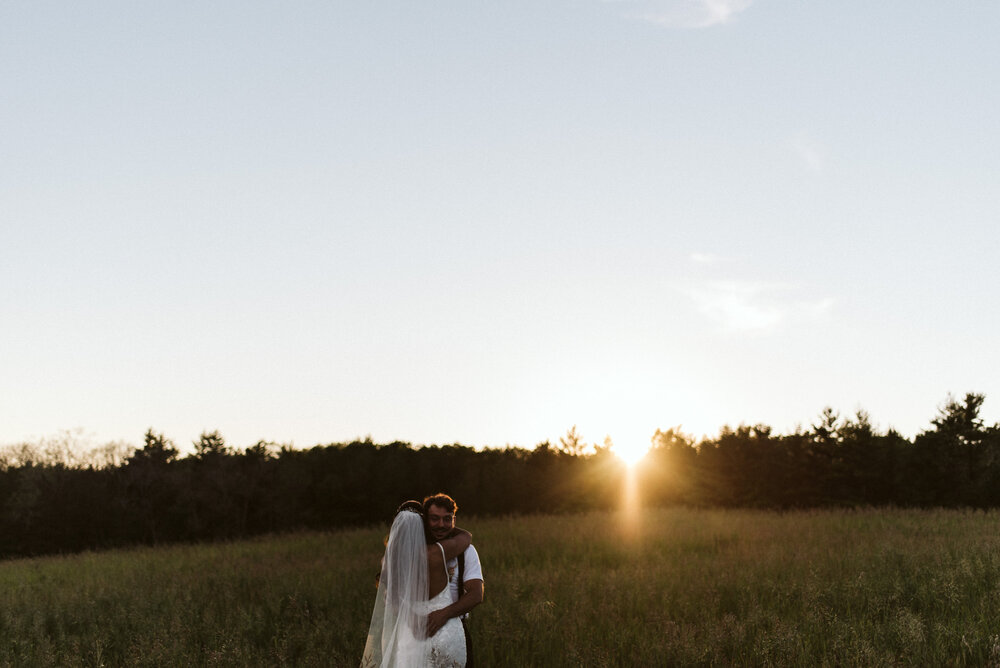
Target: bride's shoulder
(435, 553)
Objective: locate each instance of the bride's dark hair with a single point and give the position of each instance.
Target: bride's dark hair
(410, 505)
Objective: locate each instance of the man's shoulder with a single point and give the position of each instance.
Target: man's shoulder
(470, 554)
(473, 567)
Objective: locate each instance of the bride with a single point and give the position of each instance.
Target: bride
(413, 583)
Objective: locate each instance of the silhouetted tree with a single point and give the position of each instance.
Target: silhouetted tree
(572, 443)
(52, 499)
(150, 491)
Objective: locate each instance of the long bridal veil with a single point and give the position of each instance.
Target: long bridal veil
(399, 622)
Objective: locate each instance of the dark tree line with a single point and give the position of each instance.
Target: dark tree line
(156, 496)
(153, 495)
(837, 462)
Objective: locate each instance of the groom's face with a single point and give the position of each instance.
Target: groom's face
(440, 521)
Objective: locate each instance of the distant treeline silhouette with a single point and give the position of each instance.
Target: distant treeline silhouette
(50, 502)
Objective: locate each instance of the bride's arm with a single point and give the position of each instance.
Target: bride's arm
(456, 543)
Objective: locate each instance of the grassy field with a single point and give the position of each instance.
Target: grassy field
(669, 587)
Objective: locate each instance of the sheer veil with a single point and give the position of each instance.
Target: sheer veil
(399, 622)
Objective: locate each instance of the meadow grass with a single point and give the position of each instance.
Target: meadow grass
(659, 588)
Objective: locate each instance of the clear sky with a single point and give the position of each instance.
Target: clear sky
(485, 222)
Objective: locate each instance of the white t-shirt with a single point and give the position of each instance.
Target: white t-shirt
(473, 571)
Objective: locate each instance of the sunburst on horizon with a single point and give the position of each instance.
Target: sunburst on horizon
(631, 453)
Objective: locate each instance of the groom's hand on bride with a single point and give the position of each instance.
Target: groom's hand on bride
(436, 620)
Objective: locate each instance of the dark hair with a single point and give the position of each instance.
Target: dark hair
(440, 499)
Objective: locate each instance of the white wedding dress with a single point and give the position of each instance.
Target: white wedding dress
(446, 647)
(397, 634)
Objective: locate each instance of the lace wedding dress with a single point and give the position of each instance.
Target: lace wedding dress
(446, 647)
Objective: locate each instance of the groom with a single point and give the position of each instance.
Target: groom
(465, 572)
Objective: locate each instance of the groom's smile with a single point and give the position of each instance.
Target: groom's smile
(440, 521)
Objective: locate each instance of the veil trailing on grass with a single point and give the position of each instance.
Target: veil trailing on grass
(396, 635)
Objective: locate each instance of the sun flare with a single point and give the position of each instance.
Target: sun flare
(631, 455)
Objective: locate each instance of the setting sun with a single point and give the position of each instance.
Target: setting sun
(631, 453)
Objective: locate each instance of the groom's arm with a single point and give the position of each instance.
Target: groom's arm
(470, 598)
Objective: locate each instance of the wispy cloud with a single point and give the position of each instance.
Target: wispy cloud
(755, 306)
(704, 258)
(736, 305)
(684, 13)
(817, 310)
(811, 152)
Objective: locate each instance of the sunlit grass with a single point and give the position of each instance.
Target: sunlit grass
(663, 587)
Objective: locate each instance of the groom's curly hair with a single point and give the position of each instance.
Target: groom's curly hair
(440, 499)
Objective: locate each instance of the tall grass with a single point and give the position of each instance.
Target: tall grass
(293, 600)
(693, 587)
(667, 587)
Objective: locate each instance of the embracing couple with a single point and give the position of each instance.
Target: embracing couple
(431, 577)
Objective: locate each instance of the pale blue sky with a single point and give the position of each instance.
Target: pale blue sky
(486, 222)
